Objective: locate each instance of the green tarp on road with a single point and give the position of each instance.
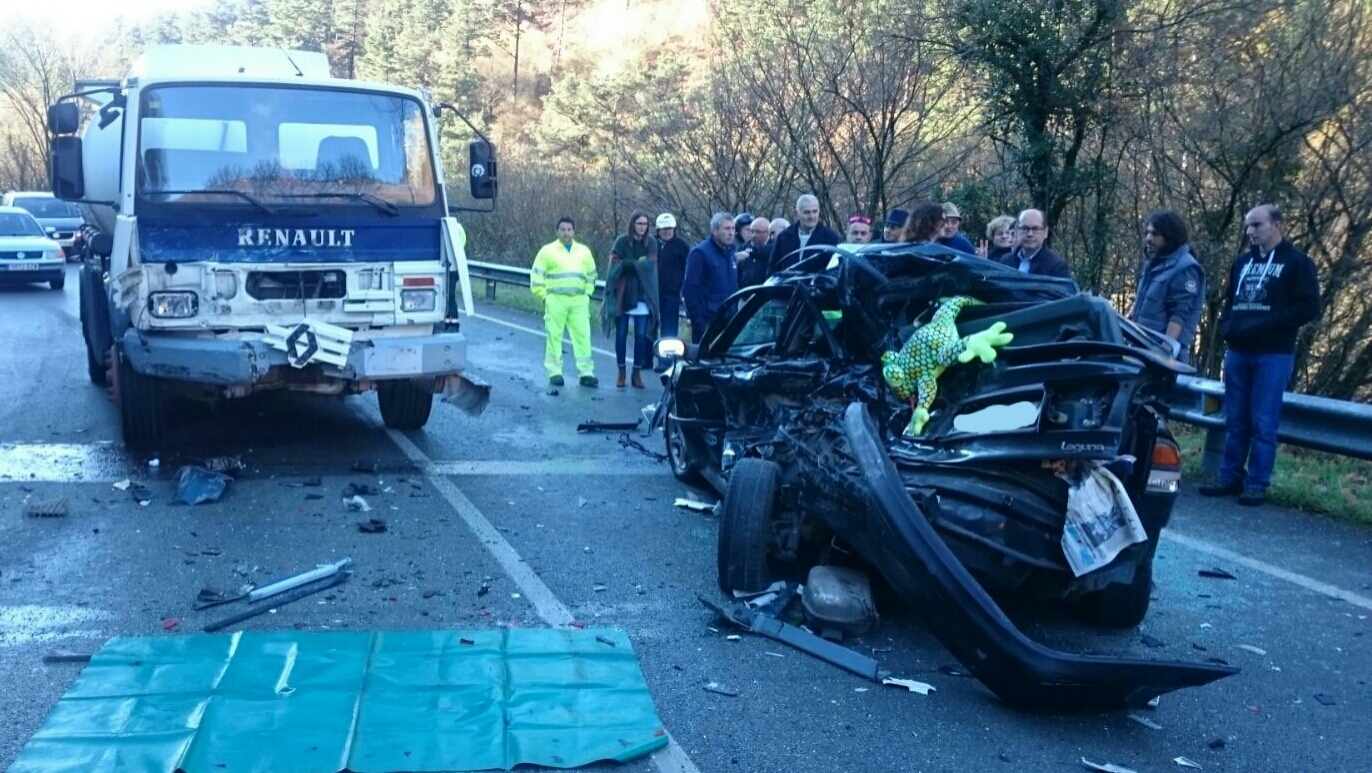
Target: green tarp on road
(368, 702)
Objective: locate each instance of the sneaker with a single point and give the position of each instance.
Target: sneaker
(556, 381)
(590, 381)
(1252, 497)
(1221, 489)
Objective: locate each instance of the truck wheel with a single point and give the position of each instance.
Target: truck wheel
(404, 406)
(140, 405)
(1122, 606)
(95, 325)
(745, 525)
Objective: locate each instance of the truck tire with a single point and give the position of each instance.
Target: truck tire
(140, 404)
(404, 406)
(95, 328)
(1122, 606)
(745, 525)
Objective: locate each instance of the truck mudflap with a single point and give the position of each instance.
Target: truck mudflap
(901, 543)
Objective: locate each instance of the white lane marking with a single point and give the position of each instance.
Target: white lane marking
(615, 466)
(539, 333)
(1308, 583)
(672, 758)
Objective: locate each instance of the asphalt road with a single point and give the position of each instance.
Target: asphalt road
(577, 527)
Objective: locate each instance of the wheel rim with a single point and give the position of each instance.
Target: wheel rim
(676, 447)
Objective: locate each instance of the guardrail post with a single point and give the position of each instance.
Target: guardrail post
(1213, 452)
(490, 289)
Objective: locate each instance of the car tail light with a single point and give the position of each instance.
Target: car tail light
(1165, 475)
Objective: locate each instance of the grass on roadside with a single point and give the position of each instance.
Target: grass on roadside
(1312, 481)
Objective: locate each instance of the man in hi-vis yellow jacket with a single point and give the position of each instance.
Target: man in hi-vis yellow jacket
(564, 278)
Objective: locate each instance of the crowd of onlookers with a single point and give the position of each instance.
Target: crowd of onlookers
(1272, 291)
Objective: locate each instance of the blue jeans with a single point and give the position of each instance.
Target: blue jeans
(670, 303)
(1253, 386)
(642, 351)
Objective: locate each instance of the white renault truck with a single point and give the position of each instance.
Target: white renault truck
(260, 225)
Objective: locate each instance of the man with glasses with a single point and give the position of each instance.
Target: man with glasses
(1031, 256)
(859, 230)
(1273, 291)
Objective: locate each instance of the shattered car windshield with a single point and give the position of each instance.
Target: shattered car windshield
(278, 143)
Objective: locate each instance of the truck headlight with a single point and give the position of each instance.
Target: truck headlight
(175, 305)
(418, 300)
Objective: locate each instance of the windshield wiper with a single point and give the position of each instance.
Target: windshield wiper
(375, 201)
(224, 191)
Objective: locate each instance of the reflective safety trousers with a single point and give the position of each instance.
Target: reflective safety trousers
(573, 313)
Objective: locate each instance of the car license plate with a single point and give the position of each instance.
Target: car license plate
(24, 267)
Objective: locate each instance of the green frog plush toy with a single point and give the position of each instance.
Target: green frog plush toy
(913, 371)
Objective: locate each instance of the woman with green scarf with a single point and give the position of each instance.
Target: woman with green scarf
(631, 294)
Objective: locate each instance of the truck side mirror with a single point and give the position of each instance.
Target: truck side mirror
(64, 118)
(102, 245)
(68, 178)
(482, 169)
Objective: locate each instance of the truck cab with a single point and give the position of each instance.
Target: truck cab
(260, 225)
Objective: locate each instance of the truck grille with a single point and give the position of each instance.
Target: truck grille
(296, 285)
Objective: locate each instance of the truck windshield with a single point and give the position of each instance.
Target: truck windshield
(349, 148)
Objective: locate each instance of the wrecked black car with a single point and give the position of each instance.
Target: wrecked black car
(954, 424)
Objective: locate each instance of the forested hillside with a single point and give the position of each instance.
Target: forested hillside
(1096, 111)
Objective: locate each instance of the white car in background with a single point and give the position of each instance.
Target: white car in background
(61, 220)
(26, 252)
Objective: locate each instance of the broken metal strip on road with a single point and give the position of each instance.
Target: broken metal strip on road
(368, 702)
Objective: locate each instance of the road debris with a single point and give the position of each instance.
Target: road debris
(304, 578)
(124, 484)
(1252, 649)
(718, 689)
(195, 485)
(64, 655)
(140, 493)
(608, 426)
(364, 466)
(1217, 743)
(605, 640)
(372, 526)
(226, 465)
(1107, 767)
(278, 601)
(627, 442)
(357, 504)
(1152, 641)
(171, 623)
(1185, 763)
(734, 637)
(47, 508)
(360, 489)
(758, 622)
(1324, 700)
(1145, 721)
(485, 587)
(691, 504)
(1218, 574)
(209, 597)
(911, 685)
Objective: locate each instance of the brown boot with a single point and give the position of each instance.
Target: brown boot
(619, 380)
(638, 378)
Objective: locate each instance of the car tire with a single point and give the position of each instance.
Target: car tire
(679, 453)
(58, 283)
(404, 406)
(140, 405)
(1122, 605)
(745, 525)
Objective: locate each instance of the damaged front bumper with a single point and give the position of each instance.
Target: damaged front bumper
(899, 540)
(250, 362)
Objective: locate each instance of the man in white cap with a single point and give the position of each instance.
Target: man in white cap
(671, 273)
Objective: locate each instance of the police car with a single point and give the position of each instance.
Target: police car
(26, 252)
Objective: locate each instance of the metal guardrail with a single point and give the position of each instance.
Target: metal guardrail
(495, 275)
(1318, 423)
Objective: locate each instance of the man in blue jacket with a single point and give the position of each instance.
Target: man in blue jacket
(711, 274)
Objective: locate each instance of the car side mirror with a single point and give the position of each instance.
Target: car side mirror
(671, 348)
(64, 118)
(482, 169)
(68, 177)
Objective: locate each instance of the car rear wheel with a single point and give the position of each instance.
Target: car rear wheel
(1122, 606)
(140, 404)
(404, 405)
(745, 525)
